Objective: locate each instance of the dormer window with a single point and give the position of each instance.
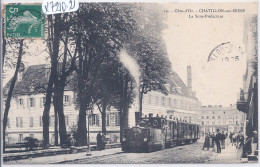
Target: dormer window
(31, 88)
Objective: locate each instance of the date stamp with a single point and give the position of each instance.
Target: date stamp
(24, 21)
(226, 52)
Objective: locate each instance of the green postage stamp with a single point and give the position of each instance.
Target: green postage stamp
(24, 21)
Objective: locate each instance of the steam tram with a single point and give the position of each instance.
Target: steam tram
(155, 133)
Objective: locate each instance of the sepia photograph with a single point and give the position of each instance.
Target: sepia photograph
(129, 82)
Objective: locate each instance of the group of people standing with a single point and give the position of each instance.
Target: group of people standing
(212, 139)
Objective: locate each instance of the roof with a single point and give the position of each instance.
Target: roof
(35, 79)
(177, 86)
(33, 76)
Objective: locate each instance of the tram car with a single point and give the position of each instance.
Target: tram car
(155, 133)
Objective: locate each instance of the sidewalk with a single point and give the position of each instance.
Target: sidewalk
(227, 155)
(54, 159)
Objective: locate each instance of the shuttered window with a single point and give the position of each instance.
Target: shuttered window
(42, 101)
(107, 119)
(117, 119)
(31, 102)
(31, 121)
(19, 122)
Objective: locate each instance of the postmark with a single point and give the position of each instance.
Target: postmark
(24, 21)
(226, 52)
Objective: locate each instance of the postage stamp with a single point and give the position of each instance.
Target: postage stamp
(24, 21)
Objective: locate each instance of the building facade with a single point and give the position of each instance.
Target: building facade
(248, 96)
(27, 104)
(227, 119)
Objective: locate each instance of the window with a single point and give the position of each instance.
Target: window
(149, 99)
(218, 117)
(31, 102)
(236, 122)
(31, 121)
(202, 117)
(20, 137)
(213, 117)
(163, 101)
(93, 119)
(66, 100)
(40, 121)
(202, 123)
(117, 119)
(32, 135)
(224, 112)
(107, 119)
(42, 101)
(169, 102)
(236, 117)
(207, 117)
(19, 122)
(20, 101)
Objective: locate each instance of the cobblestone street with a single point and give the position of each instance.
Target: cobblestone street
(179, 154)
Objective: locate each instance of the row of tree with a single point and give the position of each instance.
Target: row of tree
(83, 48)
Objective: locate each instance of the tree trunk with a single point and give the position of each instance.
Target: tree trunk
(56, 143)
(82, 129)
(103, 114)
(10, 92)
(58, 95)
(46, 111)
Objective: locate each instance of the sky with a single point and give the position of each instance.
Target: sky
(190, 40)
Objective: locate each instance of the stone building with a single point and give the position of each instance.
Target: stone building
(227, 119)
(181, 102)
(27, 104)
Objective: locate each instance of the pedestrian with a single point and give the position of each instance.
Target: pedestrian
(99, 141)
(68, 140)
(217, 140)
(103, 139)
(234, 138)
(206, 142)
(231, 137)
(223, 138)
(213, 137)
(240, 145)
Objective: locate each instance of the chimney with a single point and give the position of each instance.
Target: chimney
(189, 80)
(22, 69)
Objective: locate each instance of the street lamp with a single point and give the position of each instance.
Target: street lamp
(88, 150)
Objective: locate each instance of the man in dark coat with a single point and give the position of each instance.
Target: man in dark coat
(231, 137)
(217, 140)
(223, 138)
(99, 141)
(206, 142)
